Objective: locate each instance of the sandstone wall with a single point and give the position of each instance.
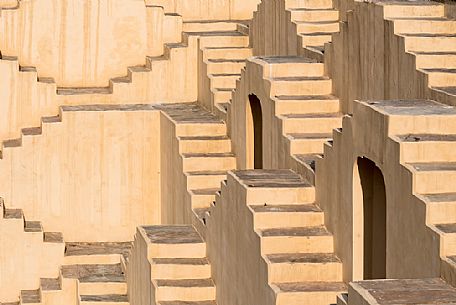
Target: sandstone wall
(97, 170)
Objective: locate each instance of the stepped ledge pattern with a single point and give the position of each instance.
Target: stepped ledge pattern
(255, 152)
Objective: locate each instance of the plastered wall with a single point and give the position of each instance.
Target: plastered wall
(78, 43)
(89, 171)
(209, 9)
(339, 195)
(366, 60)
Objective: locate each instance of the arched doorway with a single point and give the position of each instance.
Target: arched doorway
(255, 132)
(374, 219)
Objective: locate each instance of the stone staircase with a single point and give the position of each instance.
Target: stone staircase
(296, 27)
(424, 135)
(220, 63)
(294, 244)
(99, 269)
(179, 270)
(204, 149)
(303, 102)
(50, 247)
(431, 159)
(430, 37)
(314, 21)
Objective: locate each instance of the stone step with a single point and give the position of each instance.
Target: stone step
(301, 267)
(204, 179)
(53, 237)
(441, 76)
(275, 186)
(33, 226)
(424, 25)
(201, 129)
(30, 297)
(282, 216)
(311, 15)
(430, 42)
(225, 66)
(173, 241)
(296, 240)
(209, 25)
(317, 27)
(440, 208)
(226, 53)
(102, 288)
(308, 293)
(306, 104)
(290, 66)
(50, 284)
(204, 144)
(432, 178)
(107, 299)
(222, 39)
(85, 253)
(412, 9)
(94, 91)
(428, 147)
(214, 161)
(311, 123)
(447, 232)
(309, 4)
(300, 86)
(428, 60)
(202, 198)
(94, 273)
(180, 268)
(222, 95)
(307, 143)
(430, 291)
(226, 81)
(315, 38)
(184, 290)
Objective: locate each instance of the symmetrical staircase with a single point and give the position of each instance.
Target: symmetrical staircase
(219, 63)
(99, 271)
(179, 270)
(304, 104)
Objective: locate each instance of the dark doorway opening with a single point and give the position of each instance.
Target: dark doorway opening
(256, 119)
(374, 215)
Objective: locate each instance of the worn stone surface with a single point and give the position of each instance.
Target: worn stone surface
(94, 273)
(94, 248)
(172, 234)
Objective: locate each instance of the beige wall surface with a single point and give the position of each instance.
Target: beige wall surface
(78, 43)
(367, 60)
(97, 170)
(412, 249)
(238, 269)
(209, 9)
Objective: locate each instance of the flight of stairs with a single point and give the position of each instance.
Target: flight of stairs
(294, 242)
(49, 243)
(204, 149)
(296, 27)
(431, 159)
(431, 38)
(315, 22)
(180, 272)
(219, 61)
(99, 269)
(304, 104)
